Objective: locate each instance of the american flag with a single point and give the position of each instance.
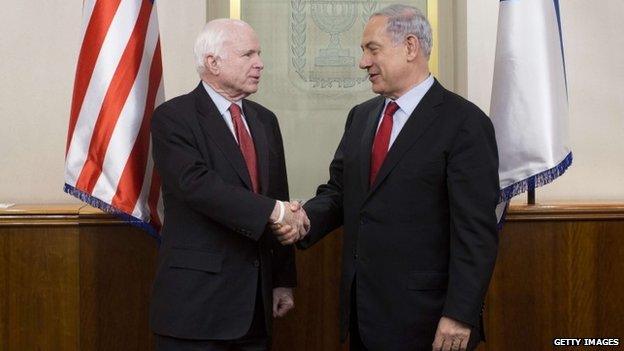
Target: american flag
(118, 83)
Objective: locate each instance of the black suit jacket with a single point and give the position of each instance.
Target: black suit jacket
(422, 239)
(215, 238)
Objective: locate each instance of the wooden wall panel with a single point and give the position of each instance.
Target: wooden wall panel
(117, 266)
(77, 279)
(40, 288)
(556, 279)
(73, 279)
(313, 325)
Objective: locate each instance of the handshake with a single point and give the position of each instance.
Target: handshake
(289, 222)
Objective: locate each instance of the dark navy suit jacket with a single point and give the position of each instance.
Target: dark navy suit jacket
(216, 242)
(421, 240)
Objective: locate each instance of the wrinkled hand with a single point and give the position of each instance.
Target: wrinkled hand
(294, 226)
(451, 335)
(283, 301)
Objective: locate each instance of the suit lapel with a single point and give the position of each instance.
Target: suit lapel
(260, 142)
(367, 143)
(413, 129)
(215, 127)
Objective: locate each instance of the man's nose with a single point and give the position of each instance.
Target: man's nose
(364, 61)
(259, 64)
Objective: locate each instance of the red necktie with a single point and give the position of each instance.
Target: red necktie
(382, 140)
(246, 145)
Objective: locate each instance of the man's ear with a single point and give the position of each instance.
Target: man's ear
(412, 47)
(212, 64)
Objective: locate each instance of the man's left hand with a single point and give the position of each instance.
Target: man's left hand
(283, 301)
(451, 335)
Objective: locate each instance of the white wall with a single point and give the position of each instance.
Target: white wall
(39, 47)
(593, 34)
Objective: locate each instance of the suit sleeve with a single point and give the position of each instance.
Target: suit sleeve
(473, 194)
(185, 173)
(283, 260)
(325, 210)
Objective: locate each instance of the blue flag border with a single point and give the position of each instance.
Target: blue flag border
(536, 180)
(97, 203)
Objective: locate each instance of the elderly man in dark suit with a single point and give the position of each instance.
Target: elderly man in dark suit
(221, 271)
(414, 181)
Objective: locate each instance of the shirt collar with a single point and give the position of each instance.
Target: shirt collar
(408, 101)
(222, 103)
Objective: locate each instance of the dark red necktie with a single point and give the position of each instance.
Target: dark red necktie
(382, 141)
(246, 145)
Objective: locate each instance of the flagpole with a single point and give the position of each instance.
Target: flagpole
(531, 196)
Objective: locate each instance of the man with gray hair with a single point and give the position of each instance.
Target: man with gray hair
(414, 181)
(222, 274)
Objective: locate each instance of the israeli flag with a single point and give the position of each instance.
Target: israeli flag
(529, 106)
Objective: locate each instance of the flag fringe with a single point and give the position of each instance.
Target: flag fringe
(535, 181)
(97, 203)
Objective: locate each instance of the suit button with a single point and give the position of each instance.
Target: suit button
(362, 221)
(355, 256)
(256, 263)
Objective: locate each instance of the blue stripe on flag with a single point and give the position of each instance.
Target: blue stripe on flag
(565, 75)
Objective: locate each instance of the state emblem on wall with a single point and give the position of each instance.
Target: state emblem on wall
(324, 44)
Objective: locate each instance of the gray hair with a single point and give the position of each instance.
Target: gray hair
(210, 40)
(404, 20)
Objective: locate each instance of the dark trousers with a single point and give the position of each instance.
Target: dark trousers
(256, 339)
(165, 343)
(355, 339)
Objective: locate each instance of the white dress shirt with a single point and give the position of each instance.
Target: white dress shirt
(223, 105)
(407, 104)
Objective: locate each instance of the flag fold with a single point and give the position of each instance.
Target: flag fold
(118, 83)
(529, 107)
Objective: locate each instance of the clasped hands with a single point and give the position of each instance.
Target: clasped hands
(294, 225)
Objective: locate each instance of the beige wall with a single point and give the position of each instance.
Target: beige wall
(41, 39)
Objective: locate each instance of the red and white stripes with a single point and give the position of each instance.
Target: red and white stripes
(118, 83)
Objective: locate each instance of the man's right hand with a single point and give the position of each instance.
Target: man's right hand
(294, 226)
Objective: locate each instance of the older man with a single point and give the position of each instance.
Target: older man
(415, 183)
(221, 160)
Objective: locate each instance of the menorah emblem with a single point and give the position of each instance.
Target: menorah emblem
(317, 65)
(334, 18)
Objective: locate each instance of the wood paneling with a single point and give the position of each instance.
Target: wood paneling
(313, 325)
(117, 265)
(557, 278)
(72, 278)
(40, 289)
